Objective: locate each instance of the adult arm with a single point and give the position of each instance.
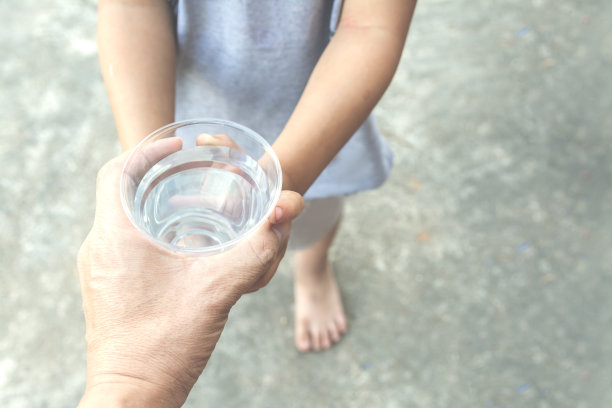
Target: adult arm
(137, 53)
(349, 79)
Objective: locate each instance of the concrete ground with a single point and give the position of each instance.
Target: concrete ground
(480, 275)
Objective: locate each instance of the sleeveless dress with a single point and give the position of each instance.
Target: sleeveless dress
(249, 61)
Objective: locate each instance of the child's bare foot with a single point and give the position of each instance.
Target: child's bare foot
(319, 315)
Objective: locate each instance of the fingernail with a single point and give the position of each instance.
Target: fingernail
(278, 213)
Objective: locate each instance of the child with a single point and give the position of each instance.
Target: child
(305, 74)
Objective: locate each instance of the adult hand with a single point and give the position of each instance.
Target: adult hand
(153, 317)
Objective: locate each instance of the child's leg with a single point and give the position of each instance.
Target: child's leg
(319, 315)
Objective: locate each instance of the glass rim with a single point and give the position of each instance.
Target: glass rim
(214, 249)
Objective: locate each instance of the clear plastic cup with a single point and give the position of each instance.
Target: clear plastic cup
(200, 186)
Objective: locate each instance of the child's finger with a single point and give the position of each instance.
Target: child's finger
(205, 139)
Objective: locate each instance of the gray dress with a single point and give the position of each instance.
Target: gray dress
(249, 61)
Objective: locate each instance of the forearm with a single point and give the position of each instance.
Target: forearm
(347, 82)
(137, 54)
(157, 363)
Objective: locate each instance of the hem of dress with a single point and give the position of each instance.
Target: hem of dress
(328, 192)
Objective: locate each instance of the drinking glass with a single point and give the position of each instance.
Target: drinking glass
(200, 186)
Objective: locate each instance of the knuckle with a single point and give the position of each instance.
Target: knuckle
(101, 175)
(83, 256)
(265, 253)
(107, 170)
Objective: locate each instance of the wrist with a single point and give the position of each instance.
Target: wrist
(289, 182)
(153, 366)
(295, 175)
(118, 391)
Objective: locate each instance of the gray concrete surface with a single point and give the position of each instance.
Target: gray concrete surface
(480, 275)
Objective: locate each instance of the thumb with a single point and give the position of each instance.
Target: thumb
(290, 204)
